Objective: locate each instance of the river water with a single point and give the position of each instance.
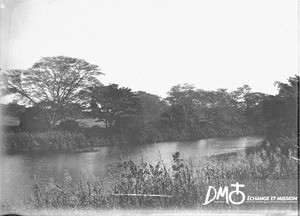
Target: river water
(17, 170)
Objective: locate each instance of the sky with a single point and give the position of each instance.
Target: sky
(155, 44)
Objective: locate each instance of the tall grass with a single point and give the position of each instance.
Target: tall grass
(55, 140)
(147, 185)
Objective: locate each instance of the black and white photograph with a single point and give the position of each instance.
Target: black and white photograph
(149, 107)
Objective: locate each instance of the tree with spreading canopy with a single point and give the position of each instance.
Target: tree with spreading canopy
(54, 84)
(111, 103)
(181, 101)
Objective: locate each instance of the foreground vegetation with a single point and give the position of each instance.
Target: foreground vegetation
(264, 173)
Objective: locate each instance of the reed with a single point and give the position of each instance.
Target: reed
(156, 186)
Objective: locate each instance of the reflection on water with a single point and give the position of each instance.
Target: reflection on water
(17, 171)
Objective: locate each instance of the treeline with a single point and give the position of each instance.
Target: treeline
(59, 91)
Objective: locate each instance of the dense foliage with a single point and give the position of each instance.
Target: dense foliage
(110, 103)
(280, 115)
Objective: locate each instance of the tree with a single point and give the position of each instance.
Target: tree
(54, 84)
(290, 89)
(143, 125)
(210, 105)
(280, 111)
(181, 100)
(110, 103)
(240, 94)
(253, 102)
(151, 107)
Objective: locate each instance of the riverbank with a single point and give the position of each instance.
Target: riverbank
(76, 142)
(55, 141)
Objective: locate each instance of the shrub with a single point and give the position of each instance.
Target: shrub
(34, 119)
(69, 125)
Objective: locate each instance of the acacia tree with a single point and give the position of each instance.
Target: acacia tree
(54, 84)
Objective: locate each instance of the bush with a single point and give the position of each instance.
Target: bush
(69, 125)
(34, 119)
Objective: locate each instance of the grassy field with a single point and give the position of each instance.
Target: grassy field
(88, 123)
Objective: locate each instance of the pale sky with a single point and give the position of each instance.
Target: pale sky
(155, 44)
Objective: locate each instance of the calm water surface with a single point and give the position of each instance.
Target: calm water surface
(17, 170)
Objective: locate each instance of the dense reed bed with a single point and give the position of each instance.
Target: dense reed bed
(157, 186)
